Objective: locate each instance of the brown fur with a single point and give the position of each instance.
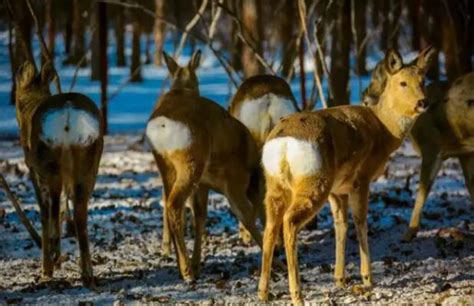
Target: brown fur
(222, 156)
(258, 86)
(53, 170)
(445, 130)
(354, 143)
(251, 89)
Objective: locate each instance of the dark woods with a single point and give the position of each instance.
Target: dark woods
(247, 36)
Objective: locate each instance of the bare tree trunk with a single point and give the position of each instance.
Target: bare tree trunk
(455, 45)
(236, 50)
(20, 50)
(360, 27)
(385, 23)
(340, 49)
(430, 33)
(253, 31)
(102, 23)
(414, 10)
(302, 73)
(395, 14)
(119, 30)
(78, 34)
(147, 48)
(159, 31)
(13, 65)
(68, 29)
(287, 18)
(96, 43)
(135, 67)
(50, 21)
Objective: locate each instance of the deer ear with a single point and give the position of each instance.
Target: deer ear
(25, 74)
(47, 72)
(425, 58)
(170, 63)
(195, 60)
(393, 61)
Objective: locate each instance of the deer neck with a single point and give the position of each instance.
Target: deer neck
(397, 124)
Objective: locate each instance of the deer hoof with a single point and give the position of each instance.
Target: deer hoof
(410, 234)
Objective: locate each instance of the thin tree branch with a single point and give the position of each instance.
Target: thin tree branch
(215, 19)
(21, 214)
(44, 47)
(242, 37)
(204, 40)
(302, 15)
(189, 27)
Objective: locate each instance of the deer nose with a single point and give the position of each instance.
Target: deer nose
(421, 105)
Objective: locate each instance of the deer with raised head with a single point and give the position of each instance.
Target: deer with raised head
(61, 136)
(334, 154)
(198, 146)
(445, 130)
(259, 103)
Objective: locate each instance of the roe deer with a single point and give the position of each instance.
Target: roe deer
(61, 136)
(259, 103)
(198, 146)
(335, 153)
(445, 130)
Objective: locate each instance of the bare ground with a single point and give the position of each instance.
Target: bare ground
(125, 233)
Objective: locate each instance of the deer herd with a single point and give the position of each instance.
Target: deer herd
(271, 162)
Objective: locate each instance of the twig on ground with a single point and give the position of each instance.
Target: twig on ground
(23, 218)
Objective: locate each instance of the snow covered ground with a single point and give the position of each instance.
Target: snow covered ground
(125, 234)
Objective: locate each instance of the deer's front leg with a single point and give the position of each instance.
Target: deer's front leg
(358, 201)
(339, 212)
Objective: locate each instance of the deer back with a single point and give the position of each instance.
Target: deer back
(260, 102)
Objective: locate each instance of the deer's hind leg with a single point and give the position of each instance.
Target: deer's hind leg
(199, 213)
(168, 176)
(467, 164)
(187, 174)
(275, 204)
(307, 200)
(50, 192)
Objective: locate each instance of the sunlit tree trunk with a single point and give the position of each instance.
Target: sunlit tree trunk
(135, 67)
(51, 23)
(287, 18)
(159, 32)
(253, 32)
(339, 78)
(361, 27)
(119, 30)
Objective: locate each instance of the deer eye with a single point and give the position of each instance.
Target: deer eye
(404, 84)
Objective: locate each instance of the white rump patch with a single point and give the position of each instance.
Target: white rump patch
(303, 157)
(166, 135)
(69, 126)
(261, 114)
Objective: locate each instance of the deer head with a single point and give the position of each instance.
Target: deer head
(184, 77)
(32, 87)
